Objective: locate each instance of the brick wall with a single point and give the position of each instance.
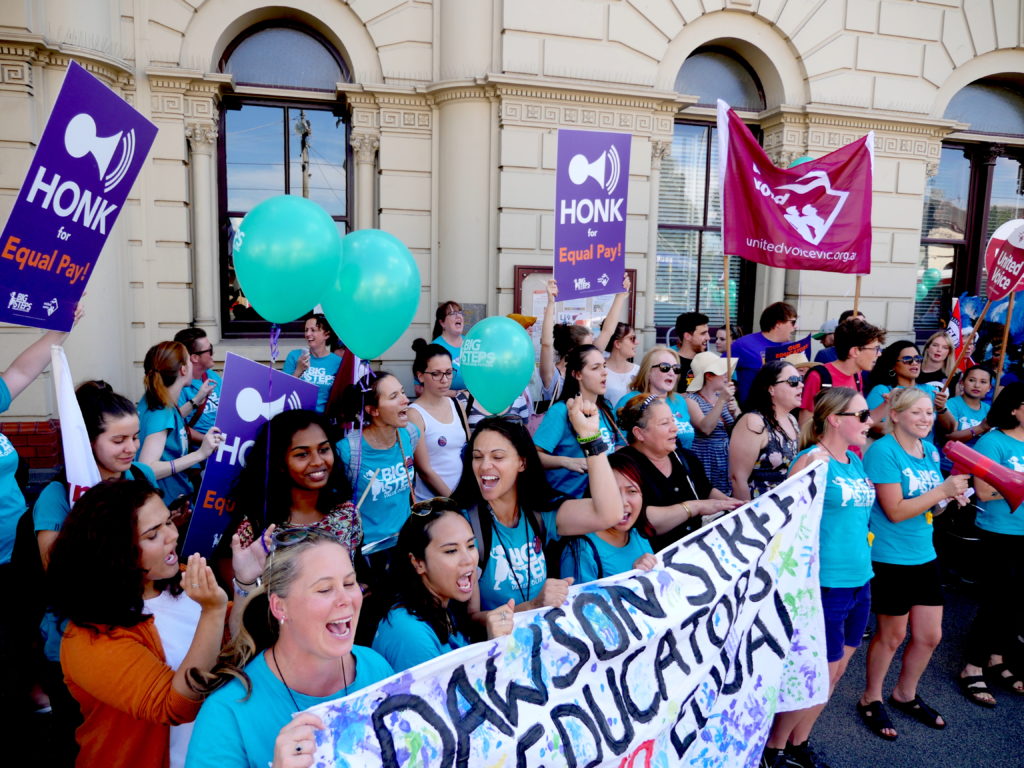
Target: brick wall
(38, 442)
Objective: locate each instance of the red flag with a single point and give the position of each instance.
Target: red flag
(814, 216)
(955, 332)
(1004, 259)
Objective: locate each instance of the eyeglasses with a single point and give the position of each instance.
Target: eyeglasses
(793, 381)
(436, 504)
(285, 537)
(455, 313)
(438, 375)
(909, 359)
(203, 351)
(862, 415)
(876, 349)
(666, 367)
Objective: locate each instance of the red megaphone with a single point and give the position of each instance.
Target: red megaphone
(968, 461)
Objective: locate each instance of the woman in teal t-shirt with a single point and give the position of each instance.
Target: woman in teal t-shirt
(318, 363)
(995, 631)
(905, 590)
(449, 321)
(515, 513)
(164, 437)
(840, 420)
(659, 372)
(434, 576)
(560, 452)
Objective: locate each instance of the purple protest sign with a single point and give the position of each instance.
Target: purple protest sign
(591, 185)
(92, 148)
(250, 395)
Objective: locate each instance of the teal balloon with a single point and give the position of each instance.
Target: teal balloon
(800, 161)
(922, 291)
(375, 293)
(931, 277)
(285, 251)
(497, 362)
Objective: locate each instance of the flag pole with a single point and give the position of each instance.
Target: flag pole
(728, 324)
(967, 343)
(1006, 338)
(856, 295)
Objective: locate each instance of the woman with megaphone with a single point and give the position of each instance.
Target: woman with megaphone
(997, 626)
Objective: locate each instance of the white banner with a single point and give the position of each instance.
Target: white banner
(79, 462)
(682, 665)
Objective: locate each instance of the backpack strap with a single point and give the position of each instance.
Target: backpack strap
(483, 543)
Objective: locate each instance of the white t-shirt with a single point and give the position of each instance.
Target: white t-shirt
(176, 620)
(618, 384)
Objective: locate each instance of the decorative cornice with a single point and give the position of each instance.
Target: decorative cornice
(201, 135)
(365, 145)
(38, 50)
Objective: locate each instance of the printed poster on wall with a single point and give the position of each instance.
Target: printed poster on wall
(591, 186)
(92, 148)
(250, 395)
(683, 665)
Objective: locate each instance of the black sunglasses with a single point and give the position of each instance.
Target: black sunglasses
(436, 504)
(204, 351)
(793, 381)
(666, 367)
(862, 415)
(910, 359)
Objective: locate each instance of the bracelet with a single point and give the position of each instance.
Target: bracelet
(194, 403)
(241, 591)
(973, 433)
(173, 470)
(944, 409)
(594, 447)
(686, 509)
(592, 438)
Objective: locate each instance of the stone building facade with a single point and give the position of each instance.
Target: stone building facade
(448, 114)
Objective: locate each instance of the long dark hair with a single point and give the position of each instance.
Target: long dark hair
(760, 397)
(263, 489)
(574, 363)
(441, 313)
(885, 370)
(99, 402)
(356, 397)
(409, 590)
(94, 577)
(1000, 416)
(425, 353)
(533, 491)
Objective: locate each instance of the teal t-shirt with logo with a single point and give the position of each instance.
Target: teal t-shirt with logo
(908, 542)
(580, 559)
(209, 415)
(995, 515)
(175, 446)
(516, 568)
(321, 371)
(844, 543)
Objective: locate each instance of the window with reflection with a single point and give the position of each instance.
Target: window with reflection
(690, 269)
(979, 186)
(271, 145)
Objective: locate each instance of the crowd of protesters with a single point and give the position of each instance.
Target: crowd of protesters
(426, 525)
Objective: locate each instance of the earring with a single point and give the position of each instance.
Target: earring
(892, 373)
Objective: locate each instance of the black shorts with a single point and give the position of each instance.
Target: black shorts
(895, 589)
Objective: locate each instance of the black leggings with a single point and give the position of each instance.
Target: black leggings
(1001, 609)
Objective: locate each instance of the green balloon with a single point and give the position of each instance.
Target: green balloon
(375, 294)
(931, 277)
(922, 291)
(800, 161)
(497, 362)
(284, 251)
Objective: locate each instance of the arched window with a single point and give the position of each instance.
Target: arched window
(274, 142)
(690, 269)
(979, 185)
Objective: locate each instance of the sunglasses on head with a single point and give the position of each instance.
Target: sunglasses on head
(666, 367)
(910, 359)
(793, 381)
(436, 504)
(862, 415)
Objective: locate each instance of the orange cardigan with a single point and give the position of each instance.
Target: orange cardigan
(123, 684)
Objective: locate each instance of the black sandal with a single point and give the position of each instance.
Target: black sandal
(974, 687)
(920, 711)
(1008, 681)
(876, 719)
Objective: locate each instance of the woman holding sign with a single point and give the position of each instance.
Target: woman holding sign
(514, 512)
(168, 369)
(294, 650)
(434, 576)
(906, 588)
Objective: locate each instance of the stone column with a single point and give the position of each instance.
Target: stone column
(660, 149)
(364, 146)
(202, 140)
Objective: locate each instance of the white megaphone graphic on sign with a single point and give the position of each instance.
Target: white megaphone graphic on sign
(250, 405)
(604, 170)
(80, 139)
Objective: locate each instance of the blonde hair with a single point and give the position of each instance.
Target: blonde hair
(828, 402)
(162, 367)
(947, 364)
(904, 399)
(639, 382)
(260, 629)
